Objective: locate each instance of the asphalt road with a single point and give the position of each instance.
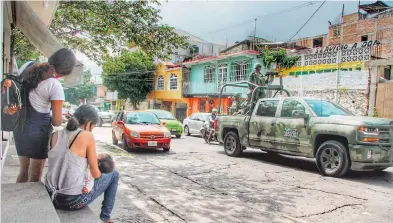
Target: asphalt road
(196, 182)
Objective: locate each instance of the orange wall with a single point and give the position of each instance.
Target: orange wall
(194, 105)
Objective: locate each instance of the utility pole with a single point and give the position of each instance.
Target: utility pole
(339, 54)
(255, 32)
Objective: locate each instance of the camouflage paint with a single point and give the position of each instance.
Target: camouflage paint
(277, 133)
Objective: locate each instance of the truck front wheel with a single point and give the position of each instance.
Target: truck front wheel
(332, 159)
(232, 144)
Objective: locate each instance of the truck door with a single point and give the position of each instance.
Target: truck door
(291, 132)
(262, 124)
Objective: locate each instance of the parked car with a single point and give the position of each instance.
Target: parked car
(140, 129)
(172, 124)
(105, 117)
(194, 123)
(313, 128)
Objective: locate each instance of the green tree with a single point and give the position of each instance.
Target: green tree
(278, 57)
(74, 95)
(131, 74)
(94, 27)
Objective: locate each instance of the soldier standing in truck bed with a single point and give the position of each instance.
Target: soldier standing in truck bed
(257, 78)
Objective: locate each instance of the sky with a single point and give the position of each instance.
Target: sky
(276, 20)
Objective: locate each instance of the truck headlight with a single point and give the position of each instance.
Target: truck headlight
(167, 135)
(135, 134)
(368, 129)
(368, 134)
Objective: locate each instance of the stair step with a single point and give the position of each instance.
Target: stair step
(26, 202)
(85, 215)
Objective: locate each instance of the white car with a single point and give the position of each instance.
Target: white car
(195, 122)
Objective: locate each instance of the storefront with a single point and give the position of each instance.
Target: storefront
(206, 104)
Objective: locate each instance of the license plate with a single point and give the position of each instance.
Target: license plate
(151, 143)
(174, 130)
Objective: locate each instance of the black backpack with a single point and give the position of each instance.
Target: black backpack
(12, 99)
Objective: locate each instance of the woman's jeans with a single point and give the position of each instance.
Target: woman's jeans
(106, 184)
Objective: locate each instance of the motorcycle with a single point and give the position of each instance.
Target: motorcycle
(205, 132)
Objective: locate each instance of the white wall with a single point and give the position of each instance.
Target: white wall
(326, 81)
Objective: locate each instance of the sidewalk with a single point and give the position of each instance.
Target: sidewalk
(23, 195)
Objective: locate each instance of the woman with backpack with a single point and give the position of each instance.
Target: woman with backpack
(41, 92)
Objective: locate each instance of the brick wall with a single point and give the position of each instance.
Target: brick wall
(354, 38)
(332, 29)
(334, 41)
(386, 50)
(385, 22)
(386, 34)
(350, 18)
(350, 29)
(366, 26)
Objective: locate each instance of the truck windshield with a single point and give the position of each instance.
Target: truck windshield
(326, 108)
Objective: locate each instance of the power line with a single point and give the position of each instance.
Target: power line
(308, 20)
(264, 16)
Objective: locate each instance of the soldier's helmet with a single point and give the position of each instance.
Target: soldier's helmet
(257, 65)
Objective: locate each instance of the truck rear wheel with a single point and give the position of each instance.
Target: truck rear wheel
(232, 144)
(332, 159)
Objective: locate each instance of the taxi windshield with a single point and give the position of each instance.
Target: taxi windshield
(164, 115)
(142, 118)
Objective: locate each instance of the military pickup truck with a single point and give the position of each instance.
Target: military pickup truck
(312, 128)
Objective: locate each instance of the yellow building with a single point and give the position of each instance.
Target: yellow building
(167, 93)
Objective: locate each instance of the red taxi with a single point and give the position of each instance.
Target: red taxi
(138, 129)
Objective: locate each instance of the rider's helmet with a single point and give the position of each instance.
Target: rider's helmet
(214, 110)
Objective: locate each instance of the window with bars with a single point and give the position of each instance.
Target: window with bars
(160, 83)
(209, 74)
(240, 70)
(222, 74)
(173, 82)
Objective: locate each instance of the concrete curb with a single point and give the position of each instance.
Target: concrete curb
(113, 146)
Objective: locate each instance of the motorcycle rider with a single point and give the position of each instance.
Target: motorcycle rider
(212, 119)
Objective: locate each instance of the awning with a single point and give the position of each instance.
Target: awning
(43, 39)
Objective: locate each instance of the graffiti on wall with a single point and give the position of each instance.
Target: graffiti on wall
(339, 54)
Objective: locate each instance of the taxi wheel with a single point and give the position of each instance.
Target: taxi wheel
(125, 145)
(166, 149)
(114, 140)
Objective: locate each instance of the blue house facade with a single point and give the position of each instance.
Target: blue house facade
(207, 76)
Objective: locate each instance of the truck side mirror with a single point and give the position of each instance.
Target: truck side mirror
(300, 114)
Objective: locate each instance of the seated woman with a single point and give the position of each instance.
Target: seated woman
(71, 151)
